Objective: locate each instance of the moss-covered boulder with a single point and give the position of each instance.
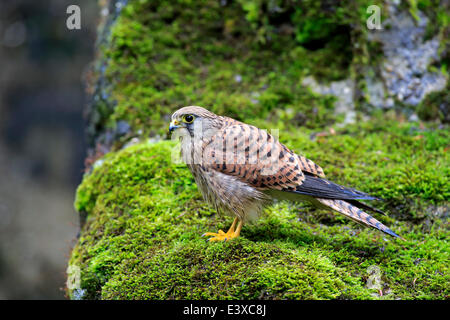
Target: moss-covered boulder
(142, 237)
(142, 215)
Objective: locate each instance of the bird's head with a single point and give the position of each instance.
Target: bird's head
(194, 121)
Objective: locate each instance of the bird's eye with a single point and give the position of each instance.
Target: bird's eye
(189, 118)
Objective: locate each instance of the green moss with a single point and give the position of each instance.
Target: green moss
(435, 106)
(142, 238)
(247, 58)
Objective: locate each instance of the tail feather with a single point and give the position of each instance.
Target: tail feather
(356, 214)
(365, 206)
(323, 188)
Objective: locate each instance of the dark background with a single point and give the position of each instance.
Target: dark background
(42, 141)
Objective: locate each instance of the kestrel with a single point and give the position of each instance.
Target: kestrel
(239, 169)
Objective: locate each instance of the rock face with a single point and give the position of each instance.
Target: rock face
(407, 56)
(275, 66)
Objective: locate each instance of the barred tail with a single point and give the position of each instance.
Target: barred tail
(356, 214)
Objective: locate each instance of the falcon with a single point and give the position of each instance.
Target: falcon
(240, 169)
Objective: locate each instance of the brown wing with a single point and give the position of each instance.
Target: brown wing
(310, 167)
(256, 157)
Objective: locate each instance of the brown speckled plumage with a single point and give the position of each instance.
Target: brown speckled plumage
(240, 168)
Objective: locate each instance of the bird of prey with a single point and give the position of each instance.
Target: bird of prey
(239, 169)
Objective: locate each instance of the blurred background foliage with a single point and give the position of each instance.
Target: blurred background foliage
(42, 141)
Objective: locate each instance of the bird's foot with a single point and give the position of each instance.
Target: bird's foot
(230, 234)
(221, 236)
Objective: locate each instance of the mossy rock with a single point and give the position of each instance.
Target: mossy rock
(245, 58)
(145, 217)
(142, 215)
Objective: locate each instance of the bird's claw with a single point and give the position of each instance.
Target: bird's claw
(220, 236)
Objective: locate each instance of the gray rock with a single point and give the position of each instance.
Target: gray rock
(407, 56)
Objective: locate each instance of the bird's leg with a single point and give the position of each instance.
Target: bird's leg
(230, 234)
(237, 232)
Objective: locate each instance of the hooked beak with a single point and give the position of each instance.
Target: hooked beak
(174, 125)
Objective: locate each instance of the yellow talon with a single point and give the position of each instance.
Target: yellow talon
(222, 236)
